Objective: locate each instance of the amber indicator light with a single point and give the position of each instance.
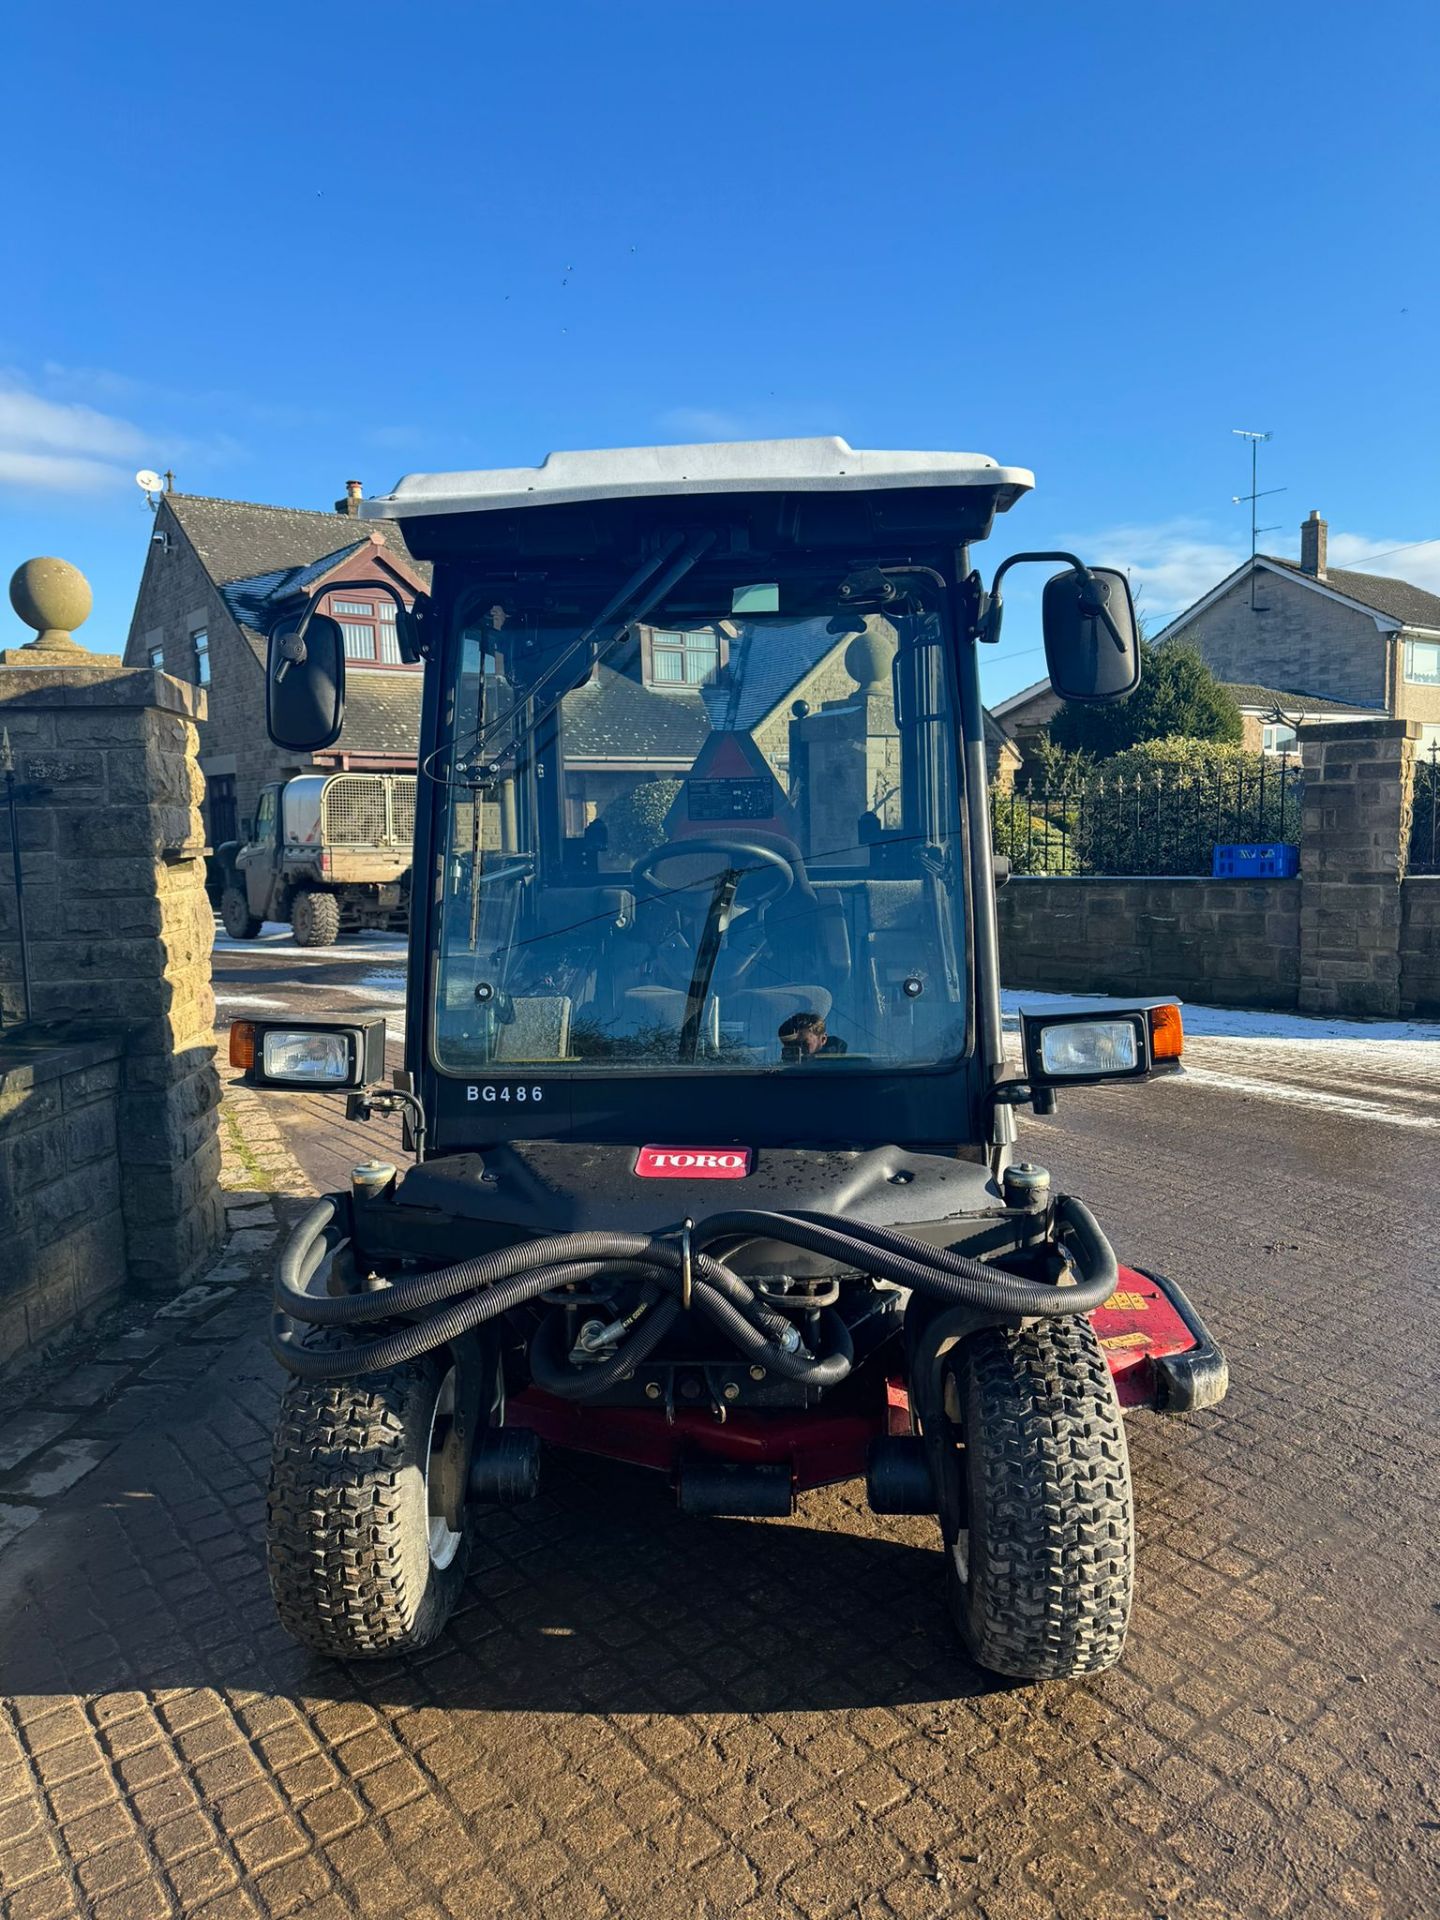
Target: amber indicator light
(1167, 1036)
(242, 1044)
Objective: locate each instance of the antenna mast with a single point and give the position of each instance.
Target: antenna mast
(1254, 496)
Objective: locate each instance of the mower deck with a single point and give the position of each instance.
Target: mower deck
(1160, 1356)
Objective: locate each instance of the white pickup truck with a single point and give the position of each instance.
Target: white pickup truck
(329, 852)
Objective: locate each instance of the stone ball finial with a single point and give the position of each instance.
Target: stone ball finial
(51, 596)
(869, 656)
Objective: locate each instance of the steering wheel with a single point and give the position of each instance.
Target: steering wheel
(771, 873)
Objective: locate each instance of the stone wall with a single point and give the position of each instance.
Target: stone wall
(120, 932)
(1220, 942)
(62, 1229)
(1420, 947)
(1349, 936)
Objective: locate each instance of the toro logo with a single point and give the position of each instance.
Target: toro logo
(693, 1163)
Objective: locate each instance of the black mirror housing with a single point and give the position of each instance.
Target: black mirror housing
(305, 682)
(1086, 660)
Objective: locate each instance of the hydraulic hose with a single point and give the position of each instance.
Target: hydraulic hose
(452, 1300)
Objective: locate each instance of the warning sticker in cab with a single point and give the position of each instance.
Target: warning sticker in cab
(693, 1163)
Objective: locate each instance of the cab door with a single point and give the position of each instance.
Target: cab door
(259, 858)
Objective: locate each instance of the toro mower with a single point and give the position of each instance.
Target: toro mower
(714, 1140)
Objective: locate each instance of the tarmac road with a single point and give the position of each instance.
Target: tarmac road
(646, 1716)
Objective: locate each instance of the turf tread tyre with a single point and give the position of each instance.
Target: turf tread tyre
(1049, 1563)
(236, 917)
(315, 918)
(347, 1535)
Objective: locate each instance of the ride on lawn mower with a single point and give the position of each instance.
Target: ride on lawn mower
(704, 893)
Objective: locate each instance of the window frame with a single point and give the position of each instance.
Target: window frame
(675, 642)
(1413, 678)
(200, 648)
(373, 616)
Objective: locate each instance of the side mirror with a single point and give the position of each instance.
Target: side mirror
(305, 682)
(1091, 642)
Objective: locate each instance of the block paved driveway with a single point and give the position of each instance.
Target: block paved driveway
(638, 1715)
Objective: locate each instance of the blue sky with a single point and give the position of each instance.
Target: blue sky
(280, 246)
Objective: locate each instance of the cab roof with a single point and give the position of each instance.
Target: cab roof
(826, 464)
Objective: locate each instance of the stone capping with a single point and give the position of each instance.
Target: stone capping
(32, 1055)
(1323, 733)
(91, 683)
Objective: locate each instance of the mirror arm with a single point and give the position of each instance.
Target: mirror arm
(991, 610)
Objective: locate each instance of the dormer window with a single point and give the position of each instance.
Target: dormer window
(682, 659)
(368, 624)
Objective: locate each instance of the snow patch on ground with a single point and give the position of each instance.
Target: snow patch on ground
(1234, 1023)
(275, 937)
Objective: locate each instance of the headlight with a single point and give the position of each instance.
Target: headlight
(1090, 1047)
(310, 1053)
(320, 1057)
(1083, 1041)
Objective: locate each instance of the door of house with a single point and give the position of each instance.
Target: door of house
(220, 805)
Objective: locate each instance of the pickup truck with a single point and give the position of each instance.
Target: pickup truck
(330, 853)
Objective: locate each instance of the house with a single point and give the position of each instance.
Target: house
(214, 572)
(1367, 643)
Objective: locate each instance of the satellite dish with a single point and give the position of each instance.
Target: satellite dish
(148, 480)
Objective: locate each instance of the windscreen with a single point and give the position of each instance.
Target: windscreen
(724, 837)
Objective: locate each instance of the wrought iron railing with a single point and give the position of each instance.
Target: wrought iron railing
(1165, 821)
(1425, 820)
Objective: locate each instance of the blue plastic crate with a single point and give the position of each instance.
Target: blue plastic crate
(1265, 860)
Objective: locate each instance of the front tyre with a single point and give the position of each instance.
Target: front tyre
(315, 919)
(236, 917)
(1040, 1578)
(366, 1537)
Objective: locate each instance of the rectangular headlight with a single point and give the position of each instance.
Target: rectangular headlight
(1089, 1047)
(310, 1053)
(322, 1059)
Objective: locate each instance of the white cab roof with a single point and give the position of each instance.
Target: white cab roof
(825, 465)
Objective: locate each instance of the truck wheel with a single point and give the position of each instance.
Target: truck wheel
(315, 919)
(365, 1562)
(1040, 1574)
(236, 917)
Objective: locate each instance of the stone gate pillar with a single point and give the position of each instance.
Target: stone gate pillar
(119, 924)
(1359, 790)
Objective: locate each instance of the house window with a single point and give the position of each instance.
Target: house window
(683, 659)
(157, 658)
(369, 628)
(1277, 739)
(200, 641)
(1422, 662)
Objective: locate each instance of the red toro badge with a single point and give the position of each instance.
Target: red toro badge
(693, 1163)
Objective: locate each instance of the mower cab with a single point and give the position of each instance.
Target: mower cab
(703, 893)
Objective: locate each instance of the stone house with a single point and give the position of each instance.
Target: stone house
(1362, 641)
(214, 571)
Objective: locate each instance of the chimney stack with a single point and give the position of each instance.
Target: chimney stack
(354, 494)
(1313, 533)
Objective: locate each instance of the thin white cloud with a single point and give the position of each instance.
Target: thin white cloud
(1171, 563)
(55, 443)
